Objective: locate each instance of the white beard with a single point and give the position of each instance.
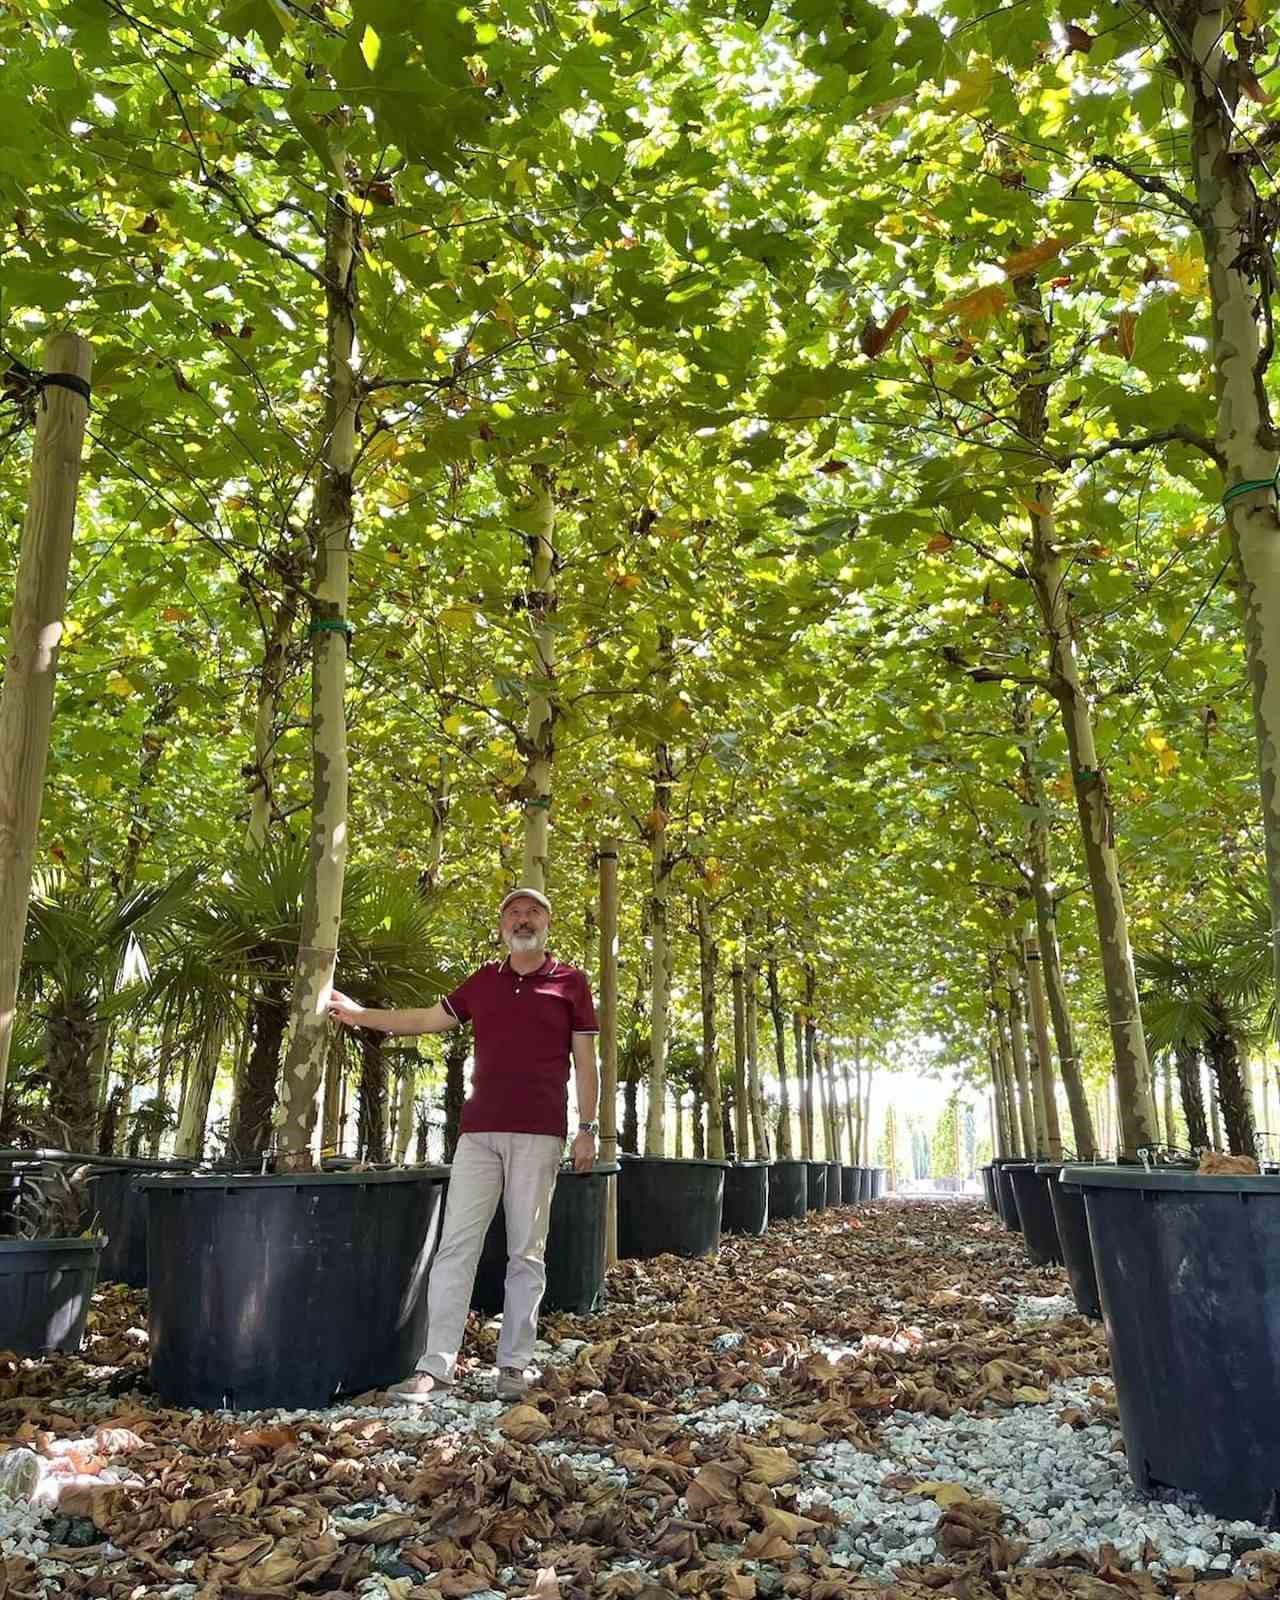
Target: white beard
(523, 944)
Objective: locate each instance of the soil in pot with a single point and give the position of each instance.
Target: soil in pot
(575, 1255)
(669, 1206)
(288, 1290)
(788, 1190)
(45, 1289)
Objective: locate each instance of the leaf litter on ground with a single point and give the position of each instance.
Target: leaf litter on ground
(661, 1453)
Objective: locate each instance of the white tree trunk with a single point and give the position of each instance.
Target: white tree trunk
(539, 746)
(31, 655)
(303, 1073)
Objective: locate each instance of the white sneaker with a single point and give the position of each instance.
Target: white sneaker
(512, 1384)
(419, 1387)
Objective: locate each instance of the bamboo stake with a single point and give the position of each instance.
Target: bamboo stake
(31, 656)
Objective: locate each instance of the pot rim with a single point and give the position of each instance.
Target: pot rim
(209, 1182)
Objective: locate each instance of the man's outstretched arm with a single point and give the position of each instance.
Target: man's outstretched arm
(429, 1019)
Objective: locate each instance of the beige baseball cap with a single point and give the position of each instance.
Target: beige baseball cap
(530, 894)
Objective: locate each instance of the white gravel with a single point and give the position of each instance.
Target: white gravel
(1062, 1488)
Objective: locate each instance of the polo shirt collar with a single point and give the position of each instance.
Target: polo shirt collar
(548, 960)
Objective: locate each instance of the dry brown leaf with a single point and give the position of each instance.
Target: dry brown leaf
(1215, 1165)
(769, 1464)
(524, 1423)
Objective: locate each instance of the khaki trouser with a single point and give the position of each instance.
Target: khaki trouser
(519, 1169)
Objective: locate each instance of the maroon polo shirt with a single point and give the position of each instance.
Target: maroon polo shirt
(524, 1026)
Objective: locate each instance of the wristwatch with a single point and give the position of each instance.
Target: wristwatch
(593, 1128)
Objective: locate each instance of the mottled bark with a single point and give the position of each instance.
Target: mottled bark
(303, 1075)
(741, 1102)
(1089, 781)
(1236, 229)
(659, 948)
(31, 653)
(759, 1126)
(1031, 1145)
(797, 1036)
(539, 741)
(780, 1056)
(278, 618)
(1186, 1059)
(708, 970)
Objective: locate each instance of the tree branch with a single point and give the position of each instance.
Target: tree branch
(1151, 185)
(1147, 441)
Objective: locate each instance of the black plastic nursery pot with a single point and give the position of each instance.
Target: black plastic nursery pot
(817, 1185)
(746, 1198)
(119, 1209)
(1191, 1305)
(849, 1186)
(576, 1240)
(669, 1206)
(1035, 1212)
(288, 1290)
(45, 1289)
(788, 1189)
(878, 1176)
(1073, 1236)
(1006, 1201)
(988, 1187)
(864, 1184)
(835, 1184)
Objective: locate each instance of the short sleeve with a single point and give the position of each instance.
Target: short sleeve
(460, 1001)
(584, 1011)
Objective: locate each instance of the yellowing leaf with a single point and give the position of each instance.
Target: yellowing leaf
(1127, 333)
(939, 544)
(1024, 262)
(1164, 752)
(458, 619)
(453, 725)
(1031, 1395)
(1186, 268)
(973, 88)
(370, 47)
(117, 683)
(979, 305)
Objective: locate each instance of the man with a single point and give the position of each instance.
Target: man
(530, 1013)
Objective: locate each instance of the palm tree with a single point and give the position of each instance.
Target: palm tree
(1204, 990)
(83, 961)
(228, 965)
